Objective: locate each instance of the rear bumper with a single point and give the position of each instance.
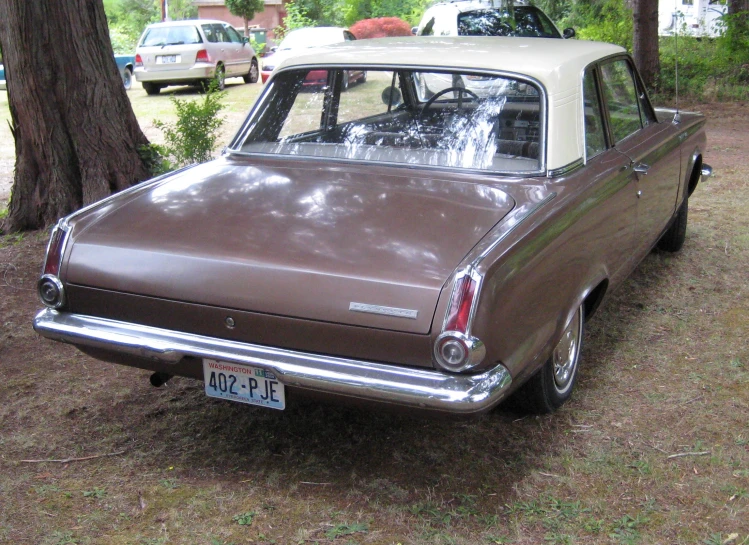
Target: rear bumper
(369, 381)
(196, 72)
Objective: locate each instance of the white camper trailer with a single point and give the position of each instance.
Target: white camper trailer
(698, 18)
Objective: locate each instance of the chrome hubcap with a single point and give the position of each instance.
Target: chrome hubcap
(565, 354)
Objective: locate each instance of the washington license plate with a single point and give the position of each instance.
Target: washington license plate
(243, 383)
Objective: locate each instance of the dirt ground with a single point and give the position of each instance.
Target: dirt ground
(653, 447)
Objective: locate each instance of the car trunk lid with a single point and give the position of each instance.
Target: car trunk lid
(291, 239)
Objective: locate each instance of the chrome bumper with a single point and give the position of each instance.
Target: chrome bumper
(422, 388)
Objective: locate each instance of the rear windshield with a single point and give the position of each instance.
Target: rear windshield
(442, 119)
(527, 22)
(171, 35)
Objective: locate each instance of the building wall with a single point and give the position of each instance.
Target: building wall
(269, 18)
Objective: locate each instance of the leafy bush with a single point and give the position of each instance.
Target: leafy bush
(380, 27)
(708, 69)
(296, 17)
(609, 21)
(193, 137)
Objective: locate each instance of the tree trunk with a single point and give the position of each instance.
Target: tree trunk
(76, 136)
(645, 40)
(737, 6)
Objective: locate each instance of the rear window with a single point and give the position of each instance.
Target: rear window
(440, 119)
(171, 35)
(526, 22)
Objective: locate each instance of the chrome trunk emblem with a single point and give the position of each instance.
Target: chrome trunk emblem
(385, 311)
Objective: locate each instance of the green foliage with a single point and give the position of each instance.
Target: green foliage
(245, 519)
(708, 69)
(245, 9)
(296, 17)
(408, 10)
(346, 530)
(129, 18)
(193, 137)
(609, 21)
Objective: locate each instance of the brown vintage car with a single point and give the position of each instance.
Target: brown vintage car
(434, 238)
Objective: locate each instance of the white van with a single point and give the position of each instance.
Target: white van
(488, 18)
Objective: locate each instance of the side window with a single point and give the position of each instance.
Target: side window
(233, 34)
(210, 35)
(307, 111)
(367, 101)
(622, 101)
(220, 33)
(347, 36)
(595, 140)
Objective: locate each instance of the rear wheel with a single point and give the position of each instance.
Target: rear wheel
(220, 77)
(344, 83)
(548, 389)
(151, 88)
(252, 75)
(673, 239)
(127, 78)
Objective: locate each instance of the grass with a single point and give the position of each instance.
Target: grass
(665, 371)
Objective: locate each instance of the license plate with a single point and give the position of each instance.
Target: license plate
(243, 383)
(167, 59)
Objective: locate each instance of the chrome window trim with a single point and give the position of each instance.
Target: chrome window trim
(243, 132)
(567, 169)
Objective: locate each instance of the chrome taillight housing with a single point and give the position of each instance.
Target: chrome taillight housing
(456, 349)
(50, 288)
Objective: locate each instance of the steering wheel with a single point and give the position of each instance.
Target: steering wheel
(460, 90)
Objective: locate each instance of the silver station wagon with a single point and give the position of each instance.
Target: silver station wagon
(432, 247)
(193, 52)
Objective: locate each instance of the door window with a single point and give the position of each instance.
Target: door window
(621, 98)
(595, 139)
(233, 34)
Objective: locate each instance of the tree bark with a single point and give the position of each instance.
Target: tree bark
(645, 40)
(76, 136)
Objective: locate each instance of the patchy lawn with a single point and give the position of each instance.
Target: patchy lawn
(653, 448)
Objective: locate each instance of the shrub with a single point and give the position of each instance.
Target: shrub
(380, 27)
(192, 138)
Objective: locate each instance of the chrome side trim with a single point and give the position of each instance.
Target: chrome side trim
(707, 171)
(417, 388)
(384, 311)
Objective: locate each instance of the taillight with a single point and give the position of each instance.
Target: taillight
(455, 349)
(138, 60)
(54, 251)
(202, 56)
(460, 305)
(51, 290)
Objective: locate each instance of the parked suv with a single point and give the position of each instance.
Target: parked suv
(476, 18)
(193, 52)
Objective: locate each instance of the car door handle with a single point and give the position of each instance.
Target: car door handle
(641, 168)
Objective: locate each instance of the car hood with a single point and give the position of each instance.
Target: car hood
(307, 240)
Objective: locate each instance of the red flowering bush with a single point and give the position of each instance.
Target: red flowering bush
(380, 27)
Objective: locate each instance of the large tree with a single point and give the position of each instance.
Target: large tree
(246, 9)
(645, 40)
(76, 137)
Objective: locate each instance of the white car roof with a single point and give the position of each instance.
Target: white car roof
(187, 22)
(557, 64)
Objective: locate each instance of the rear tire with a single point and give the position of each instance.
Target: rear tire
(253, 74)
(127, 79)
(673, 239)
(552, 385)
(151, 88)
(220, 77)
(344, 83)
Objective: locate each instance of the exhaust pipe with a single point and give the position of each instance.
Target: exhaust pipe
(159, 379)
